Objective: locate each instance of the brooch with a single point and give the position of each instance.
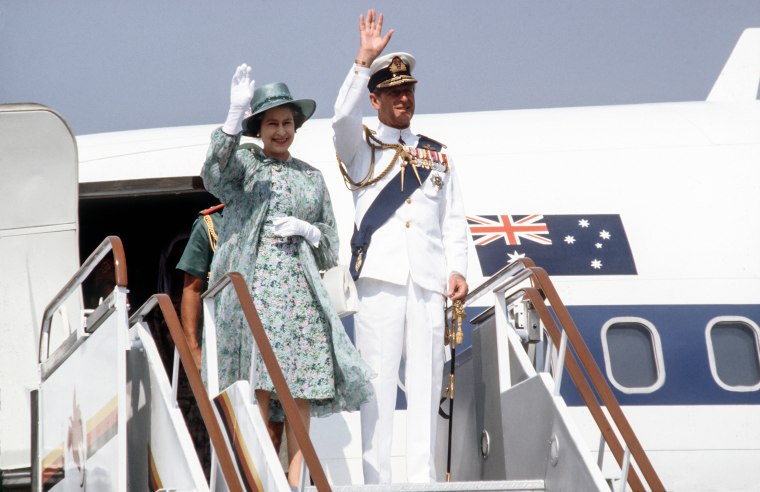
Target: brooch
(437, 181)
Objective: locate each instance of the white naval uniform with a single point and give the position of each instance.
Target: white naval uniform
(401, 288)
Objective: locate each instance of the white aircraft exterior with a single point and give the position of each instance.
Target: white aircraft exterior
(680, 180)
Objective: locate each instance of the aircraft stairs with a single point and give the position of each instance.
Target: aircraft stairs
(106, 413)
(489, 486)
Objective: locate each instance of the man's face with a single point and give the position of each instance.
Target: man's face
(394, 105)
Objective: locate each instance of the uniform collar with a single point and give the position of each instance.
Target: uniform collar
(391, 135)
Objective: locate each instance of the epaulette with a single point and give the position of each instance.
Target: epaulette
(211, 210)
(443, 146)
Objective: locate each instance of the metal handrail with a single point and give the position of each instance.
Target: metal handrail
(164, 303)
(543, 291)
(599, 383)
(581, 384)
(109, 244)
(514, 270)
(275, 373)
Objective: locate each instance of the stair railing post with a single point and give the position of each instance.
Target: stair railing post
(600, 456)
(624, 472)
(560, 363)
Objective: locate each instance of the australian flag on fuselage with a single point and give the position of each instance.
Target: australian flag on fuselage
(560, 244)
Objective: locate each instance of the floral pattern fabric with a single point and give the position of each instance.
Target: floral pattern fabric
(246, 181)
(289, 314)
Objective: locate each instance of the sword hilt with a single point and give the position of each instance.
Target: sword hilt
(457, 316)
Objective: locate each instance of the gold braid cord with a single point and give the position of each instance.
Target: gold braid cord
(457, 316)
(212, 237)
(375, 144)
(453, 335)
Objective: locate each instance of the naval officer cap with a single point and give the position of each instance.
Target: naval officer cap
(391, 70)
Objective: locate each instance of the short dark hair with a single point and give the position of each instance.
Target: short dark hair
(254, 122)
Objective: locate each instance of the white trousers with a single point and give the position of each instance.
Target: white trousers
(396, 321)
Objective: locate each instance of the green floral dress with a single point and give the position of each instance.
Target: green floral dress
(317, 357)
(289, 313)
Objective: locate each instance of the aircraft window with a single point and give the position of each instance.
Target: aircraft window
(734, 350)
(633, 355)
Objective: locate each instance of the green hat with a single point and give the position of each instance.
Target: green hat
(270, 96)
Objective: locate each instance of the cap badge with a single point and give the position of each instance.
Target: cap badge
(397, 66)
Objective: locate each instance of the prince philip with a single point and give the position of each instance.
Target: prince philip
(409, 249)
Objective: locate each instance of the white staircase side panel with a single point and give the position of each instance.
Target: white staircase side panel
(82, 430)
(161, 449)
(248, 440)
(542, 441)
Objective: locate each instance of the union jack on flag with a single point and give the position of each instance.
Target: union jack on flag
(504, 227)
(594, 244)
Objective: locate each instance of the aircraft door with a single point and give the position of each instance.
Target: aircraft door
(38, 254)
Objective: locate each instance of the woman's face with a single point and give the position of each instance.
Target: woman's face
(277, 131)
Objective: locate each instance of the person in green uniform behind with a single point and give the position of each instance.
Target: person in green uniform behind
(196, 263)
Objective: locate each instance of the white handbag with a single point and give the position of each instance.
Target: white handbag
(342, 290)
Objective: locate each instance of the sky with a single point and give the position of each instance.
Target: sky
(109, 65)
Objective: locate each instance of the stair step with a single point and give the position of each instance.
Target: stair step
(492, 486)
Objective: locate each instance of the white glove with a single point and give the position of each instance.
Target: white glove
(241, 93)
(290, 226)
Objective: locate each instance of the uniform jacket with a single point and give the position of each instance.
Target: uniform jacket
(198, 253)
(426, 237)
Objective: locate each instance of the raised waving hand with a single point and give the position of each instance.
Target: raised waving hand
(241, 93)
(372, 42)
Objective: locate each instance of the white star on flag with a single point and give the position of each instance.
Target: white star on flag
(515, 256)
